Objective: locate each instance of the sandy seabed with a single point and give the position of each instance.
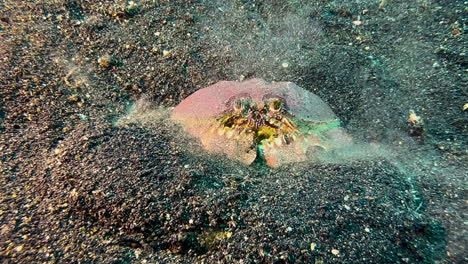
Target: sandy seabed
(87, 177)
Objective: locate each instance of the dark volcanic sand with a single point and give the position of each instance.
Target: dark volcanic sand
(79, 187)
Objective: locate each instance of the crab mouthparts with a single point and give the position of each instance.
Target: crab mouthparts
(267, 123)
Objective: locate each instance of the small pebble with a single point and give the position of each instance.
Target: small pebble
(312, 246)
(19, 248)
(106, 61)
(166, 53)
(74, 98)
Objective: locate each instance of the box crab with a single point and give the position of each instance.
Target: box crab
(275, 122)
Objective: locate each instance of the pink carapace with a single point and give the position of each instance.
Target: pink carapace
(275, 123)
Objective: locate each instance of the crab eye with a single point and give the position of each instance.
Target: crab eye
(275, 105)
(238, 105)
(239, 102)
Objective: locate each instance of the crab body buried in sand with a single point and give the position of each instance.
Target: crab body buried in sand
(276, 122)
